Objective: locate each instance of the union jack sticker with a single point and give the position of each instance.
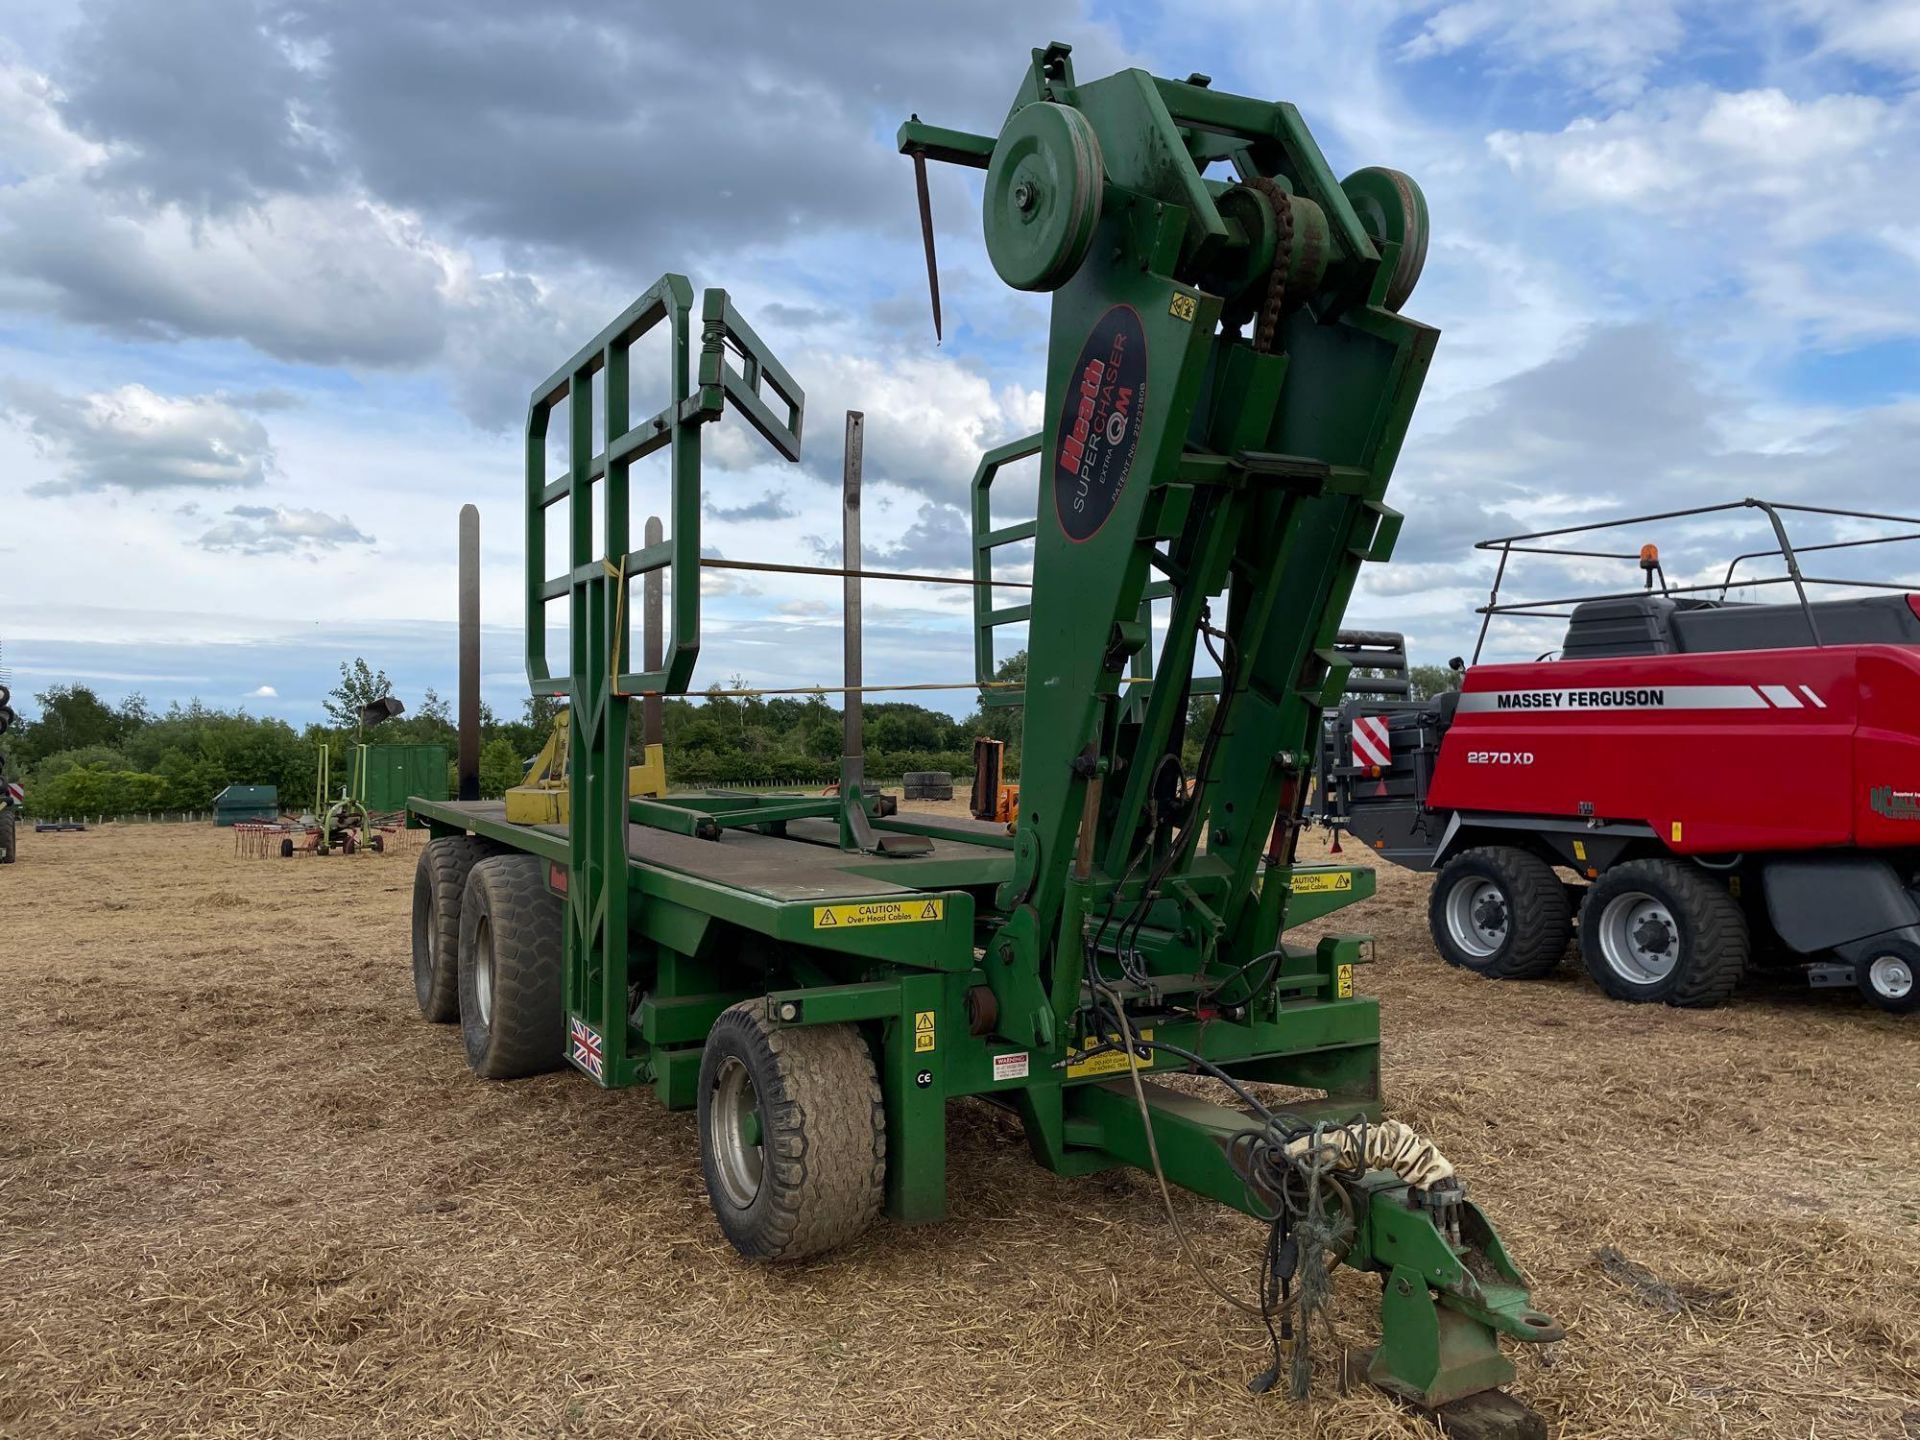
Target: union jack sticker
(584, 1047)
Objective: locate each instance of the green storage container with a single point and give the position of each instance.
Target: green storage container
(246, 802)
(397, 772)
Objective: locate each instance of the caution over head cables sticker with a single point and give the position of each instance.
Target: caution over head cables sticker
(878, 912)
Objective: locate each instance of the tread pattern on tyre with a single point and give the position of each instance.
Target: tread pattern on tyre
(826, 1138)
(9, 835)
(527, 1034)
(439, 881)
(1539, 918)
(1713, 934)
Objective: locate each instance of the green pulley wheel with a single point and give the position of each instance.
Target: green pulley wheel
(1043, 196)
(1392, 211)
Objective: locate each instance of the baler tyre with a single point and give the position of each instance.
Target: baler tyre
(9, 835)
(793, 1134)
(286, 849)
(439, 881)
(1662, 930)
(1886, 977)
(1501, 912)
(512, 1012)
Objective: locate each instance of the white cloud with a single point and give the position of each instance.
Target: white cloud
(263, 692)
(1773, 219)
(33, 137)
(136, 440)
(280, 530)
(1684, 154)
(928, 417)
(1605, 45)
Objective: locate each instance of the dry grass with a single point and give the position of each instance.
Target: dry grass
(243, 1192)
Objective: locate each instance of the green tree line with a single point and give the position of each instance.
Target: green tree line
(83, 756)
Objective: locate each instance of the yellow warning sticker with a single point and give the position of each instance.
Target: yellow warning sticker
(1184, 307)
(1107, 1062)
(1324, 883)
(922, 1031)
(877, 912)
(1676, 832)
(1580, 851)
(1343, 982)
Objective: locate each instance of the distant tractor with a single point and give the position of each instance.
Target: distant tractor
(1723, 780)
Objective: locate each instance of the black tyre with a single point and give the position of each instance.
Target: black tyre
(379, 844)
(512, 1013)
(793, 1134)
(1501, 912)
(1663, 930)
(286, 849)
(1886, 977)
(9, 835)
(439, 881)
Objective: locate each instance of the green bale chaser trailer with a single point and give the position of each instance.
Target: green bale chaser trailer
(1229, 381)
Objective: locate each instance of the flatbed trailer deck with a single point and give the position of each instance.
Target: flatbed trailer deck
(711, 911)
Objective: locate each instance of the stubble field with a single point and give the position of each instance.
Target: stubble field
(244, 1191)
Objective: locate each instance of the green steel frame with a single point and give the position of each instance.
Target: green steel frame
(1252, 491)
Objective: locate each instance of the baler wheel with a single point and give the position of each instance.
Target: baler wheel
(512, 942)
(1662, 930)
(1501, 912)
(439, 880)
(793, 1134)
(1886, 978)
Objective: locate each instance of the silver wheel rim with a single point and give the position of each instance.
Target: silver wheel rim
(1891, 976)
(1638, 938)
(483, 971)
(733, 1123)
(1478, 916)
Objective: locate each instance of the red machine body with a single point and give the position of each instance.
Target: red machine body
(1696, 784)
(1735, 752)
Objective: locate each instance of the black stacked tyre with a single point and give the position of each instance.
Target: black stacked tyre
(1663, 930)
(1500, 912)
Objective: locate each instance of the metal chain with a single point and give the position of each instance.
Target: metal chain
(1266, 330)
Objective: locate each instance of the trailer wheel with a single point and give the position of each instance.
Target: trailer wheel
(793, 1134)
(1501, 912)
(1886, 977)
(286, 849)
(512, 1014)
(9, 833)
(1661, 930)
(439, 880)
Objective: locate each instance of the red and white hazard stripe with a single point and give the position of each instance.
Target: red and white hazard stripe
(15, 792)
(1371, 745)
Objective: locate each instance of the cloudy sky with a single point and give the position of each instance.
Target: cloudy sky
(276, 277)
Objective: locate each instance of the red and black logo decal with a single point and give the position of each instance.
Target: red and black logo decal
(1100, 424)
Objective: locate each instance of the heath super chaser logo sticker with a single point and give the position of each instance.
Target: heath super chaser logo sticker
(1894, 804)
(1649, 697)
(1100, 425)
